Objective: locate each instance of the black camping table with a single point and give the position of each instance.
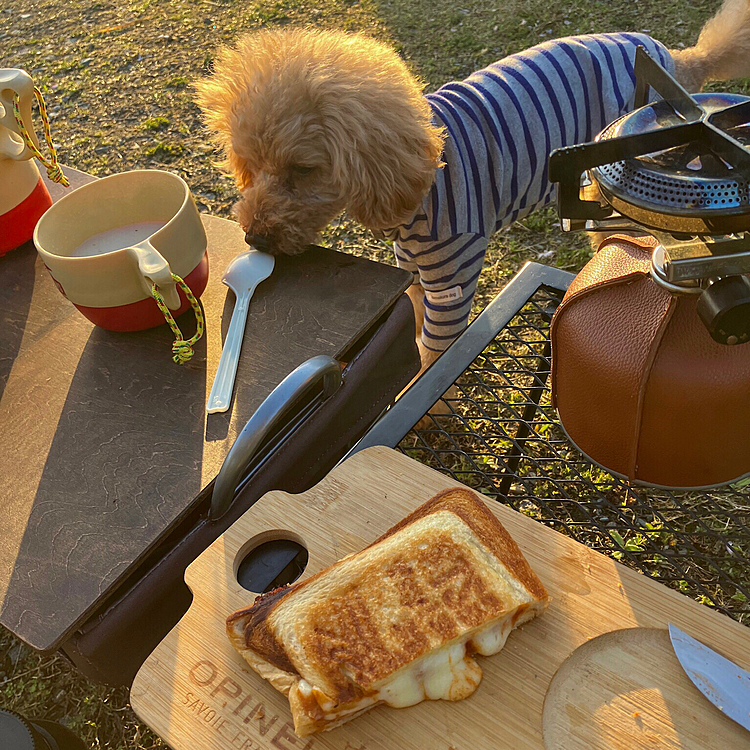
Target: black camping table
(109, 460)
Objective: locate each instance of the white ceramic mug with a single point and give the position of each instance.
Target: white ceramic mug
(106, 243)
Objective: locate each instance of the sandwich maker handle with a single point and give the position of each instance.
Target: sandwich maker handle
(274, 408)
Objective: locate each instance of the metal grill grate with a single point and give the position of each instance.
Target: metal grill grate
(494, 438)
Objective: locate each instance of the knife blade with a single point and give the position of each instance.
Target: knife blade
(725, 684)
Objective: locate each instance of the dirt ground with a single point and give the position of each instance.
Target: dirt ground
(116, 78)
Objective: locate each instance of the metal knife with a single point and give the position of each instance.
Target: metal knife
(725, 684)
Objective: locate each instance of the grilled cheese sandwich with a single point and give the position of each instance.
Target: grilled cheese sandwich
(398, 622)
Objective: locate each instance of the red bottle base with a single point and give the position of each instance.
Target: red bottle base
(17, 225)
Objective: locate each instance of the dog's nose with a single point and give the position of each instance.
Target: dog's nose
(259, 242)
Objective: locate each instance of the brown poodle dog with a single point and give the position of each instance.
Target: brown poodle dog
(315, 122)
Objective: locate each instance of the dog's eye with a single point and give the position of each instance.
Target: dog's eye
(299, 169)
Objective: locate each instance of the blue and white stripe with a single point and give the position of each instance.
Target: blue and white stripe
(501, 124)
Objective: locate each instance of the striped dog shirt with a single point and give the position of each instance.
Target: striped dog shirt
(501, 125)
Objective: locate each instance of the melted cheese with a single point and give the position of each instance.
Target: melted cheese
(448, 673)
(491, 640)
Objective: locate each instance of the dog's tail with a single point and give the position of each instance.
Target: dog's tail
(722, 50)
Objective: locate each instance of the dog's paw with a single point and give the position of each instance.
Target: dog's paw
(437, 417)
(441, 410)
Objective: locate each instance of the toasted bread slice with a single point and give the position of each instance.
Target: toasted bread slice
(396, 623)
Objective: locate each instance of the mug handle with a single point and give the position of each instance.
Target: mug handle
(12, 82)
(154, 268)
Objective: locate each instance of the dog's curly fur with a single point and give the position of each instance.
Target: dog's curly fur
(722, 51)
(312, 122)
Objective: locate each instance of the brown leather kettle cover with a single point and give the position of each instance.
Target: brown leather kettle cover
(639, 384)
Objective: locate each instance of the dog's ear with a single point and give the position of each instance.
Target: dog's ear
(383, 145)
(237, 167)
(385, 165)
(391, 177)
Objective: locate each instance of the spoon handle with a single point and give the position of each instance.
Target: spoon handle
(221, 390)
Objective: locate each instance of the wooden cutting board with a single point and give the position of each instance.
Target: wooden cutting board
(595, 671)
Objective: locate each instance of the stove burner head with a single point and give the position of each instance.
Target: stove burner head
(686, 188)
(680, 164)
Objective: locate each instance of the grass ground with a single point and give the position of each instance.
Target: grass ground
(116, 78)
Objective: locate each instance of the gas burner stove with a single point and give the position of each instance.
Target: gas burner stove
(677, 168)
(689, 187)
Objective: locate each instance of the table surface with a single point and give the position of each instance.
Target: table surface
(104, 440)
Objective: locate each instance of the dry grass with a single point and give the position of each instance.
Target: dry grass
(116, 79)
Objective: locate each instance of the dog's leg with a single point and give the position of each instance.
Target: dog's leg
(427, 358)
(416, 295)
(440, 407)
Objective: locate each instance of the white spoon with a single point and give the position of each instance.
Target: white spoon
(243, 274)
